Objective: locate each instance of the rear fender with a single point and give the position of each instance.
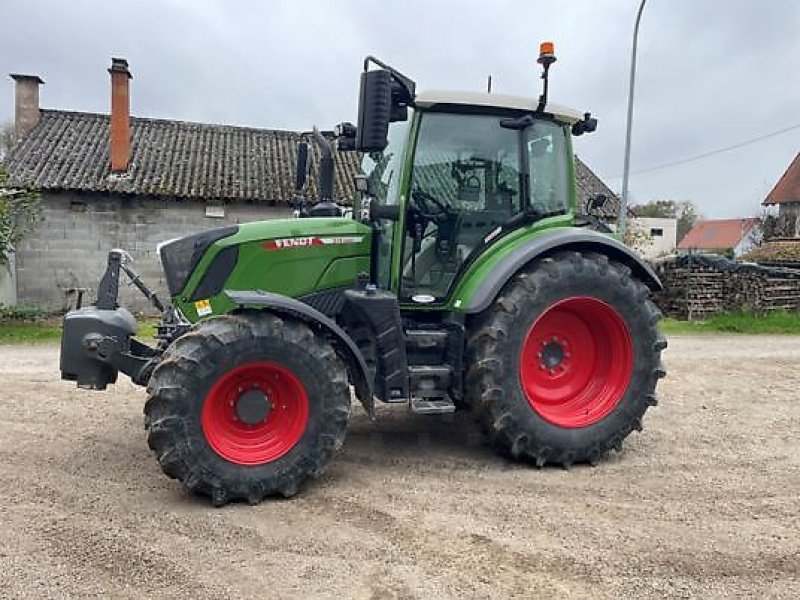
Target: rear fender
(549, 243)
(343, 344)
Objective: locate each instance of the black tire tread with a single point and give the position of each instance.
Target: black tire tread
(169, 405)
(485, 375)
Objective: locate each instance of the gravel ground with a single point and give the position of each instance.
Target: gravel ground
(703, 503)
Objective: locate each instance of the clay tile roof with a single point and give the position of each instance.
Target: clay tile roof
(719, 234)
(788, 187)
(69, 151)
(590, 185)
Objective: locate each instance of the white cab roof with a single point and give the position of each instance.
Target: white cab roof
(562, 113)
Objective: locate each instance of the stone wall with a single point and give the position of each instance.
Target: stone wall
(68, 250)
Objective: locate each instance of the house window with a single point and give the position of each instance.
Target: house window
(656, 232)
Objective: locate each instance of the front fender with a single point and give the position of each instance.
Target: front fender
(547, 244)
(344, 345)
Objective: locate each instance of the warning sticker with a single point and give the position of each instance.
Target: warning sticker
(203, 308)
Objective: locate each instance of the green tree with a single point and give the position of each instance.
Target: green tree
(688, 215)
(19, 214)
(636, 237)
(7, 138)
(684, 211)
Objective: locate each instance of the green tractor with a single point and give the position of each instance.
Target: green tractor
(462, 277)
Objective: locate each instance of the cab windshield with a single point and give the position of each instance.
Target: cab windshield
(382, 170)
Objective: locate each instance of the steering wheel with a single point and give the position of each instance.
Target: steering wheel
(429, 207)
(433, 210)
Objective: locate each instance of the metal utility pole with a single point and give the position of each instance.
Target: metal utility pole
(623, 204)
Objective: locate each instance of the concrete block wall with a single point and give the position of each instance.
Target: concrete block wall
(68, 250)
(8, 283)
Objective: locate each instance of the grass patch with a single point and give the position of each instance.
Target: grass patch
(147, 329)
(28, 331)
(37, 329)
(40, 330)
(778, 322)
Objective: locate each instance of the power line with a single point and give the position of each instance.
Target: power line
(713, 152)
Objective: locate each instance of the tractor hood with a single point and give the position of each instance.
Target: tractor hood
(291, 233)
(292, 257)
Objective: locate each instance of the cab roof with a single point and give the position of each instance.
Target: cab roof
(434, 97)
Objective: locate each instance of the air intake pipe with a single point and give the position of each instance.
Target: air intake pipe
(325, 206)
(325, 167)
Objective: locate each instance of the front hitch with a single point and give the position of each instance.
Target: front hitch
(97, 341)
(96, 344)
(108, 290)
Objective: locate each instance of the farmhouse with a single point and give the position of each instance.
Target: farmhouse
(659, 235)
(782, 231)
(786, 195)
(116, 180)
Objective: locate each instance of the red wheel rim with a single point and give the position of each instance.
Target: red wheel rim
(576, 362)
(259, 438)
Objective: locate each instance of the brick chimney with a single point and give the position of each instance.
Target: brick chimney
(120, 115)
(26, 103)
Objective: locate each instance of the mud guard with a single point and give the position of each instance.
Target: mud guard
(549, 243)
(343, 344)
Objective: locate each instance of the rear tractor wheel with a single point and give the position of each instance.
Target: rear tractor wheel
(565, 363)
(247, 406)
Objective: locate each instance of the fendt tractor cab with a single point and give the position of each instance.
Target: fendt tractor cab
(461, 277)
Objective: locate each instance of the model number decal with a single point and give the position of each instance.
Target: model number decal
(302, 242)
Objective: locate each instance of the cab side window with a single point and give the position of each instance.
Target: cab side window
(548, 169)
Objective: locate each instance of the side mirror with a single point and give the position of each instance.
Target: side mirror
(384, 98)
(596, 202)
(587, 125)
(374, 110)
(301, 174)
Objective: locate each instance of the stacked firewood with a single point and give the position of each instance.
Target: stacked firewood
(776, 252)
(700, 286)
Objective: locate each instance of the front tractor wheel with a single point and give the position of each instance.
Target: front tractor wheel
(247, 406)
(565, 363)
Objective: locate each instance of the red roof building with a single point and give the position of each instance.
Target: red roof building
(787, 190)
(722, 235)
(786, 195)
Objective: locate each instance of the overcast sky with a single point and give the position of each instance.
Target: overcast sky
(711, 73)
